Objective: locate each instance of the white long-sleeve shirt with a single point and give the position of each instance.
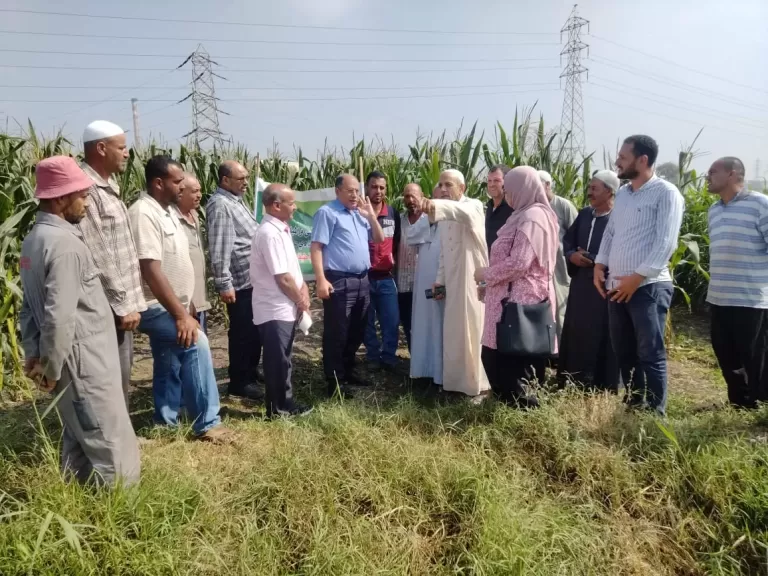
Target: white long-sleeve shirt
(642, 233)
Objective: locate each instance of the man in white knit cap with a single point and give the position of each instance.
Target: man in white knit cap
(106, 231)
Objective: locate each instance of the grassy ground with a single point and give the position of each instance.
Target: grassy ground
(405, 481)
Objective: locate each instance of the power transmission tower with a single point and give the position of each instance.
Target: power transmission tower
(205, 105)
(572, 138)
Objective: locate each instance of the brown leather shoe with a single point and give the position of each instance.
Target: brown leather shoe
(218, 435)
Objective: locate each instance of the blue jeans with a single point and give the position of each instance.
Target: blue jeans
(637, 333)
(180, 372)
(383, 306)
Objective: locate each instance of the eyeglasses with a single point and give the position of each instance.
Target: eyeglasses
(238, 179)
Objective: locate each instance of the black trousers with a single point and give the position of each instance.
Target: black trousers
(345, 316)
(740, 342)
(510, 375)
(405, 303)
(277, 337)
(244, 342)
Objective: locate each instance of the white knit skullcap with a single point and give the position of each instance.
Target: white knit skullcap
(100, 130)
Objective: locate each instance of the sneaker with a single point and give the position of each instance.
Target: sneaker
(249, 392)
(300, 410)
(218, 435)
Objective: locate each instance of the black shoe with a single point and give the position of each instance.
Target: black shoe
(342, 390)
(297, 410)
(259, 375)
(249, 392)
(354, 380)
(523, 402)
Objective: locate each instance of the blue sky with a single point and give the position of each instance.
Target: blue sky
(665, 68)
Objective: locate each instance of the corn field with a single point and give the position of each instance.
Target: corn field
(526, 143)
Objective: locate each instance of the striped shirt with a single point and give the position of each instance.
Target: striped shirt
(738, 251)
(107, 232)
(641, 235)
(406, 257)
(231, 226)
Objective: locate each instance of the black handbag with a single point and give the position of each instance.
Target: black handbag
(526, 329)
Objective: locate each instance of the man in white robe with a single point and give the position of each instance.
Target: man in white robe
(463, 249)
(427, 318)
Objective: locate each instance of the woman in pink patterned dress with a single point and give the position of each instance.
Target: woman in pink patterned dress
(521, 267)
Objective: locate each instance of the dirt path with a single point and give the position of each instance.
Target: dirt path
(693, 372)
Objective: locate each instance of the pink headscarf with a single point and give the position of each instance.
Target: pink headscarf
(532, 214)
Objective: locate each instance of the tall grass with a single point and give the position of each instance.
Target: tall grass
(579, 487)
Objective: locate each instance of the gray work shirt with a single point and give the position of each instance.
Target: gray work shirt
(64, 301)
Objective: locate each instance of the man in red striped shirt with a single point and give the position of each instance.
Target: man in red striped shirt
(384, 303)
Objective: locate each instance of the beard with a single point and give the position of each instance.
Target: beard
(628, 173)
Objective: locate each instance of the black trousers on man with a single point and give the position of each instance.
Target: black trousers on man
(277, 337)
(405, 302)
(345, 316)
(244, 342)
(740, 342)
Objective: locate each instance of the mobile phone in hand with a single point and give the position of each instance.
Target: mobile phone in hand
(439, 291)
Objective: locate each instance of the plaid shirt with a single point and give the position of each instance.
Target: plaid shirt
(406, 257)
(107, 232)
(231, 227)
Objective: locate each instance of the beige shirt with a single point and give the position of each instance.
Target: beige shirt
(197, 255)
(159, 236)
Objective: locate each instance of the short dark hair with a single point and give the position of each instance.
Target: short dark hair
(159, 167)
(340, 180)
(733, 164)
(375, 175)
(644, 146)
(223, 171)
(503, 168)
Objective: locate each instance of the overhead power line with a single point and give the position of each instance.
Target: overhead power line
(634, 49)
(685, 107)
(644, 93)
(284, 58)
(313, 71)
(303, 99)
(672, 82)
(273, 25)
(322, 88)
(260, 41)
(675, 118)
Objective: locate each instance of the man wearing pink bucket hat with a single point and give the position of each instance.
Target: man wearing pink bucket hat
(68, 332)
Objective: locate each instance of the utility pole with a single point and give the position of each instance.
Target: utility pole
(572, 138)
(135, 110)
(205, 105)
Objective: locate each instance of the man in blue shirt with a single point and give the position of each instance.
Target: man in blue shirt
(637, 244)
(341, 260)
(738, 285)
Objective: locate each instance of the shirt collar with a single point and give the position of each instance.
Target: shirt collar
(110, 184)
(53, 220)
(276, 222)
(183, 218)
(743, 193)
(156, 206)
(229, 195)
(652, 179)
